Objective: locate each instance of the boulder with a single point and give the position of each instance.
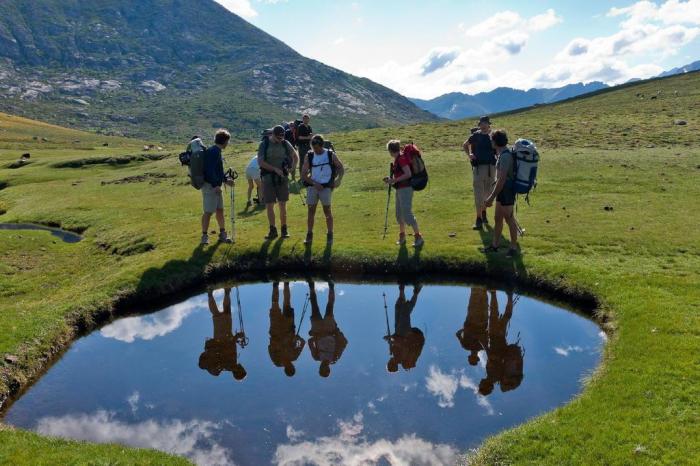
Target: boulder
(680, 122)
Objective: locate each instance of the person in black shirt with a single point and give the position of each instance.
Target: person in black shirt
(483, 159)
(304, 134)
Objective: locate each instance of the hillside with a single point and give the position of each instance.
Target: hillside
(168, 68)
(457, 105)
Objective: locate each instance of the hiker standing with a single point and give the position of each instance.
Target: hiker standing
(504, 195)
(252, 174)
(406, 344)
(483, 160)
(290, 133)
(326, 341)
(401, 180)
(214, 178)
(285, 345)
(303, 139)
(276, 158)
(221, 353)
(322, 172)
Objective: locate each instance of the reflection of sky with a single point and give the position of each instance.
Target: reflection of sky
(141, 374)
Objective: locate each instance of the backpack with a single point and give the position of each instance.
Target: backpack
(193, 157)
(265, 141)
(512, 367)
(334, 170)
(525, 160)
(419, 174)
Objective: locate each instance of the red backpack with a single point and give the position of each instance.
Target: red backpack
(419, 174)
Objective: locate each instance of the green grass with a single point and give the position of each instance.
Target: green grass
(640, 260)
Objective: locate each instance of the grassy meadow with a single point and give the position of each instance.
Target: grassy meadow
(639, 258)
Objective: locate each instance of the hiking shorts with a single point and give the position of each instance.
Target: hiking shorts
(484, 178)
(211, 201)
(275, 189)
(252, 173)
(506, 197)
(404, 206)
(313, 196)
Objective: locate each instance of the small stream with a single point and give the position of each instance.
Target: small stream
(63, 235)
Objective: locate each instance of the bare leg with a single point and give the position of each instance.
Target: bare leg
(220, 219)
(310, 218)
(271, 213)
(498, 227)
(329, 218)
(512, 226)
(227, 300)
(250, 188)
(283, 213)
(205, 222)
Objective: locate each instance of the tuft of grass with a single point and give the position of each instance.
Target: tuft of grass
(640, 260)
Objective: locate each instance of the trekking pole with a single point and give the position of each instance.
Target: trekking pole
(243, 339)
(303, 312)
(388, 200)
(386, 315)
(232, 175)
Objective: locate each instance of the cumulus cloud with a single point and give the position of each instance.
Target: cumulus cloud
(445, 385)
(242, 8)
(193, 439)
(152, 326)
(438, 59)
(350, 447)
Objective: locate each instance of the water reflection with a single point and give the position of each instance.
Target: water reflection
(406, 344)
(326, 341)
(221, 352)
(147, 381)
(285, 343)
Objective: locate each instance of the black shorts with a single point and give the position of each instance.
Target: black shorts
(506, 197)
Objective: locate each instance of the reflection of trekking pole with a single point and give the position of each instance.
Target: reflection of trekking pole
(243, 339)
(303, 312)
(232, 175)
(388, 200)
(386, 315)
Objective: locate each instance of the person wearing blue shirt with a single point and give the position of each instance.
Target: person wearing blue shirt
(214, 178)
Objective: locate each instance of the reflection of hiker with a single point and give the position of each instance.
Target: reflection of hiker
(474, 335)
(285, 345)
(406, 344)
(504, 363)
(326, 341)
(220, 353)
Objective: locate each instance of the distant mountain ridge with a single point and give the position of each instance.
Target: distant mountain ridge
(695, 66)
(172, 67)
(457, 105)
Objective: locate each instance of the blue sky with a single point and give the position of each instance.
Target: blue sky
(427, 48)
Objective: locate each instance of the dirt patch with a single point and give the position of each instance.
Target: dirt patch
(112, 161)
(153, 178)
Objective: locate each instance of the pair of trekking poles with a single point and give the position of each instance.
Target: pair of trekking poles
(232, 175)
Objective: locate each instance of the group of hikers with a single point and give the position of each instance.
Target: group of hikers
(284, 149)
(484, 330)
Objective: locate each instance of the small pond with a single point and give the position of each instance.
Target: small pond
(304, 372)
(63, 235)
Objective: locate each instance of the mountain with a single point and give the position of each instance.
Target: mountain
(168, 68)
(457, 105)
(695, 66)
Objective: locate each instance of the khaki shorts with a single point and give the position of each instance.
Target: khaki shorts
(313, 196)
(484, 178)
(211, 201)
(275, 189)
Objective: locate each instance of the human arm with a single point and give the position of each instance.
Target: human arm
(340, 171)
(405, 175)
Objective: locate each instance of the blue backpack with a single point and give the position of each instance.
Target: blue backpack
(525, 160)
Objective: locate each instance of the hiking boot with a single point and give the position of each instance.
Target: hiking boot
(418, 242)
(205, 239)
(309, 238)
(484, 218)
(329, 238)
(401, 241)
(224, 237)
(249, 203)
(272, 234)
(285, 232)
(478, 225)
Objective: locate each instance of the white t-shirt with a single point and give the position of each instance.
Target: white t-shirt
(321, 170)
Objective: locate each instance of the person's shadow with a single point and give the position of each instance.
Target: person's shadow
(498, 260)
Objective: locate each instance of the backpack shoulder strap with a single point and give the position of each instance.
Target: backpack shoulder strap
(265, 146)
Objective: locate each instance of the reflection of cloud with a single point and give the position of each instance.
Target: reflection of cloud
(603, 336)
(445, 386)
(155, 325)
(293, 434)
(349, 447)
(565, 351)
(192, 439)
(133, 401)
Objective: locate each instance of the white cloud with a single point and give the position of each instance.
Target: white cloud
(439, 58)
(349, 447)
(133, 401)
(152, 326)
(339, 41)
(545, 21)
(565, 351)
(193, 439)
(242, 8)
(445, 385)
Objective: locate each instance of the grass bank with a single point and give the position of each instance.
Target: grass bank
(640, 259)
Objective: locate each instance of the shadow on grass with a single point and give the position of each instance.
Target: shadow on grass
(176, 273)
(498, 260)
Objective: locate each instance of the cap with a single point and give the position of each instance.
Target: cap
(485, 119)
(278, 130)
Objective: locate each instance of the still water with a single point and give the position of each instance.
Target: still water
(301, 372)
